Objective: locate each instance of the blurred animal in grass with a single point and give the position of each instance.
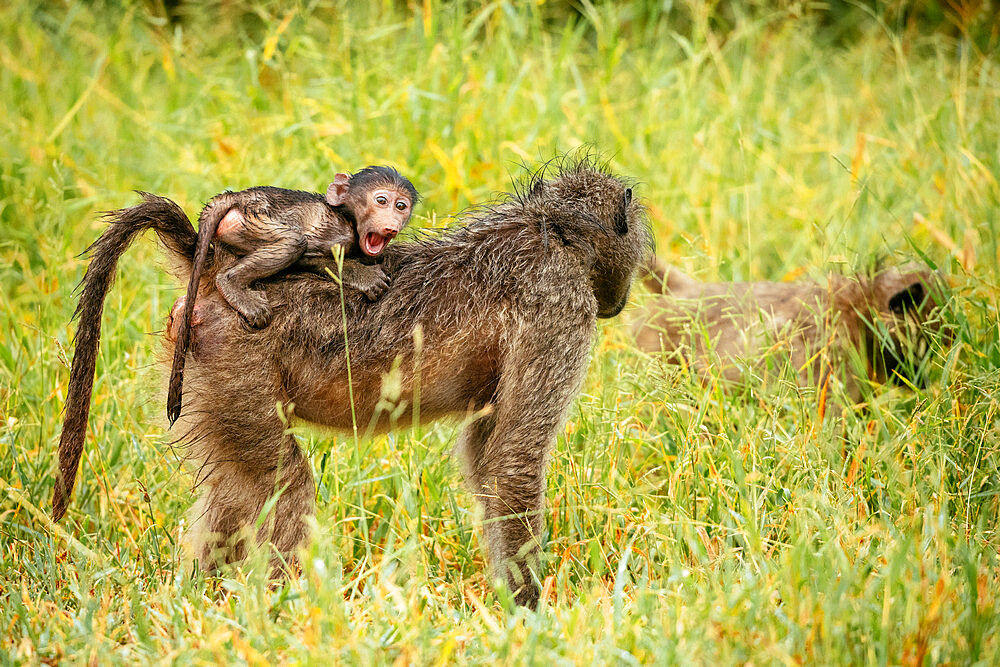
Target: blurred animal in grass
(852, 330)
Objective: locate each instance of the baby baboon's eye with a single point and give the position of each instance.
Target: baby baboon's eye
(628, 196)
(381, 200)
(401, 205)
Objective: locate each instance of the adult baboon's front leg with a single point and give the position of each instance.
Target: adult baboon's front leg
(513, 496)
(506, 456)
(470, 448)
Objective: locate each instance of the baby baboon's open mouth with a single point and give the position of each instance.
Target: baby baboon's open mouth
(373, 243)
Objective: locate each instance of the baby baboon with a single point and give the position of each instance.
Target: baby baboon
(272, 229)
(492, 320)
(885, 319)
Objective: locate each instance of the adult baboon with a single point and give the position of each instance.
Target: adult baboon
(884, 319)
(492, 319)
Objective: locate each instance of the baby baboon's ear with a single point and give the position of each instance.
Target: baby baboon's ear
(336, 194)
(910, 297)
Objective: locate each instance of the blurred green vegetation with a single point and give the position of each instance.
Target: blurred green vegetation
(769, 142)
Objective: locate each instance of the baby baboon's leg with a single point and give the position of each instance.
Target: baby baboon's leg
(507, 462)
(234, 284)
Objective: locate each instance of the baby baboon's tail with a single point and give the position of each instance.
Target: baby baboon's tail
(208, 224)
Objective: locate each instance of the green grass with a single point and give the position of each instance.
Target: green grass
(685, 525)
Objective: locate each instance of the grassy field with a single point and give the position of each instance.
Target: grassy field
(685, 525)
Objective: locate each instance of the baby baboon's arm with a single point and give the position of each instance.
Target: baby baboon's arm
(369, 279)
(365, 277)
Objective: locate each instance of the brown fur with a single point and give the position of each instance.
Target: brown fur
(733, 328)
(505, 305)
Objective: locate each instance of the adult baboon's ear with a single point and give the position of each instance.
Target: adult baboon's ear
(621, 215)
(910, 297)
(336, 194)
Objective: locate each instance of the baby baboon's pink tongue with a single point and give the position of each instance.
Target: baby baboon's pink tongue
(373, 244)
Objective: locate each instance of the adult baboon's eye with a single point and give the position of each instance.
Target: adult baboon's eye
(628, 196)
(381, 200)
(401, 205)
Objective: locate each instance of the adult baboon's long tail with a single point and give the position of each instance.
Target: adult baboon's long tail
(177, 234)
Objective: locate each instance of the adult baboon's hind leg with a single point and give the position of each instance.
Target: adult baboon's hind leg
(234, 495)
(242, 455)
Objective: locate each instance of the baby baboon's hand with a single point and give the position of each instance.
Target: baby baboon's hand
(369, 279)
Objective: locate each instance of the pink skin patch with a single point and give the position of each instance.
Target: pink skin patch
(232, 221)
(177, 314)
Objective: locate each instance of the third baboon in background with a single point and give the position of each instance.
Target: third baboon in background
(733, 329)
(492, 321)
